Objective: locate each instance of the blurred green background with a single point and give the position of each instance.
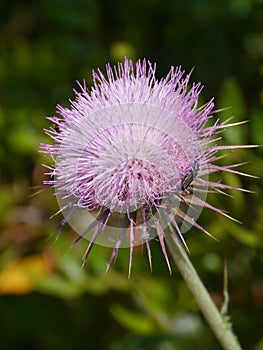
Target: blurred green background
(46, 302)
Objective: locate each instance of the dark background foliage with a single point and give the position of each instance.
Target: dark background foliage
(46, 302)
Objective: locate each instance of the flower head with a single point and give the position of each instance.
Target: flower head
(132, 155)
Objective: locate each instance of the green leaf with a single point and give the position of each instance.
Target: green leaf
(153, 295)
(58, 286)
(247, 237)
(231, 96)
(121, 49)
(257, 126)
(134, 322)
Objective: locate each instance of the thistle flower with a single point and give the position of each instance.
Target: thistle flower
(132, 157)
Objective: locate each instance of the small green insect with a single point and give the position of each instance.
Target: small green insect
(187, 180)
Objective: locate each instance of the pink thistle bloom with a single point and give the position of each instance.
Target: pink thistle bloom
(132, 157)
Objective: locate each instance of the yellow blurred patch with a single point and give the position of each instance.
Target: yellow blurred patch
(18, 277)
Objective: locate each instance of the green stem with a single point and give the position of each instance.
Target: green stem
(220, 327)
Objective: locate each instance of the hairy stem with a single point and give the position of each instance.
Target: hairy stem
(220, 327)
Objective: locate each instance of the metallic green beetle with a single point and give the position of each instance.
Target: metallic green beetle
(187, 180)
